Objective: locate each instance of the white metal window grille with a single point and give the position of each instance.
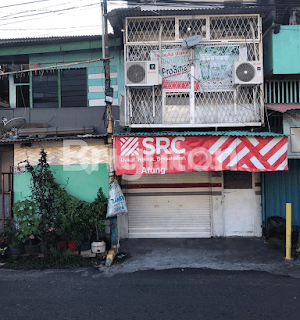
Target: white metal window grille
(141, 29)
(192, 27)
(176, 108)
(170, 29)
(249, 51)
(145, 52)
(207, 97)
(242, 107)
(234, 28)
(145, 105)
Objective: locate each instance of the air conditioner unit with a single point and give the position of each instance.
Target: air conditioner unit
(247, 73)
(142, 73)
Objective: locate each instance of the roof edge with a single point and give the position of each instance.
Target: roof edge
(205, 133)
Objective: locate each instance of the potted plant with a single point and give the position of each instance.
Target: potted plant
(68, 220)
(28, 225)
(9, 237)
(96, 219)
(3, 252)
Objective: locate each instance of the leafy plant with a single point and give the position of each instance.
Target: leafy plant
(50, 207)
(27, 219)
(43, 187)
(9, 232)
(79, 219)
(98, 212)
(3, 250)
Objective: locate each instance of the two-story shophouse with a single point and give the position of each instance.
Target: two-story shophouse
(52, 97)
(193, 107)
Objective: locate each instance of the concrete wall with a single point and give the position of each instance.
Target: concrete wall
(81, 166)
(80, 183)
(64, 117)
(216, 207)
(123, 226)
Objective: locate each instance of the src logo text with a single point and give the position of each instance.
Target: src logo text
(162, 143)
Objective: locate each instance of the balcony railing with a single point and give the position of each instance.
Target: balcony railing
(152, 107)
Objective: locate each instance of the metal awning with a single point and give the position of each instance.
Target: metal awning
(283, 107)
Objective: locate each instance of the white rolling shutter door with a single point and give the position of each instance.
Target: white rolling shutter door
(173, 208)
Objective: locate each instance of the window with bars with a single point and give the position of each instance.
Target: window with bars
(231, 27)
(45, 90)
(73, 88)
(215, 99)
(60, 88)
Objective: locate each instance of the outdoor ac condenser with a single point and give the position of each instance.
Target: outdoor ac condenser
(247, 73)
(142, 73)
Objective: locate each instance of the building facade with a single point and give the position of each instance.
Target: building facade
(191, 160)
(282, 99)
(56, 86)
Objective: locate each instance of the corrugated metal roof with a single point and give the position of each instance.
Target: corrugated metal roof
(116, 16)
(49, 40)
(283, 107)
(206, 133)
(80, 137)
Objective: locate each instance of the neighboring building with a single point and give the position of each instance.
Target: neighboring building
(194, 108)
(282, 98)
(57, 85)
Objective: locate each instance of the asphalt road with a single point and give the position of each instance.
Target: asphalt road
(166, 294)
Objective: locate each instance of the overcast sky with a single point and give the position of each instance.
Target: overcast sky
(38, 18)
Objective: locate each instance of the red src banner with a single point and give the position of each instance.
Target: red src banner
(144, 155)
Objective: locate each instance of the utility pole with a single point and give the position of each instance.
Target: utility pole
(108, 101)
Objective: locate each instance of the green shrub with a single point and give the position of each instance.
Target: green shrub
(50, 207)
(28, 221)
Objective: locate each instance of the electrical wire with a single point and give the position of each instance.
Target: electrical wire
(30, 16)
(22, 4)
(41, 15)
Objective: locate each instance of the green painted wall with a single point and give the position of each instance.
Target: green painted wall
(286, 50)
(83, 181)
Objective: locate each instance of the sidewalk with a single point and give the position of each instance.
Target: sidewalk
(213, 253)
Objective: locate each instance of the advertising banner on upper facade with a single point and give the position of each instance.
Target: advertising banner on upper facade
(213, 66)
(144, 155)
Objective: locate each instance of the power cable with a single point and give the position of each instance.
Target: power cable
(22, 4)
(50, 12)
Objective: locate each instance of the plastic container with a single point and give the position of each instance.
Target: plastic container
(98, 247)
(72, 245)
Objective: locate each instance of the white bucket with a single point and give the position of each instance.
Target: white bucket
(98, 246)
